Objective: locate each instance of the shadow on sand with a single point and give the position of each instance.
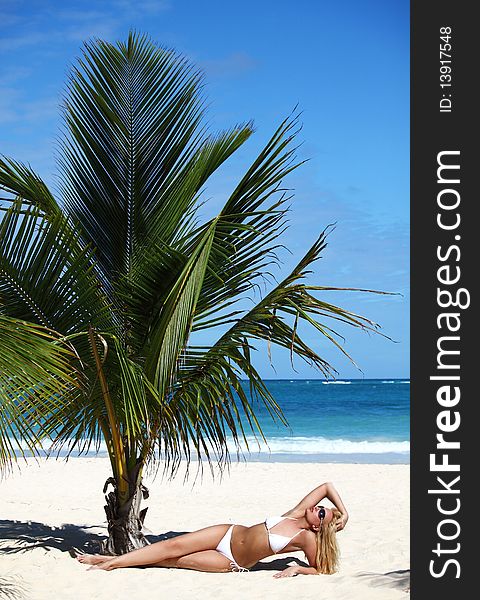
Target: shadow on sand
(12, 588)
(21, 536)
(399, 580)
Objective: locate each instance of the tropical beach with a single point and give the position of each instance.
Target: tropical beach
(149, 283)
(52, 509)
(51, 506)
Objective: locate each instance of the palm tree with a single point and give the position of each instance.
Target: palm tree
(120, 269)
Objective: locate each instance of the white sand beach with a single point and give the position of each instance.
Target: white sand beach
(49, 506)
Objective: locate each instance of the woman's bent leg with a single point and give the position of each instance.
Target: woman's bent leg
(182, 545)
(209, 561)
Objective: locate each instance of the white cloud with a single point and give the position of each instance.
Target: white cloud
(229, 66)
(8, 103)
(15, 108)
(25, 40)
(151, 7)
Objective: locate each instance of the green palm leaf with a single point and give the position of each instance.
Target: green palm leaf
(133, 116)
(45, 274)
(169, 333)
(36, 370)
(20, 180)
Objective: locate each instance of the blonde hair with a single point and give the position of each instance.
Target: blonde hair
(328, 553)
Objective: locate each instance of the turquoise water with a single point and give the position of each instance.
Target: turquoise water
(364, 420)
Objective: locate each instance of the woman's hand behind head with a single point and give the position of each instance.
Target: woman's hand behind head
(341, 521)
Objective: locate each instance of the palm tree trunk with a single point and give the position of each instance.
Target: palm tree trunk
(125, 520)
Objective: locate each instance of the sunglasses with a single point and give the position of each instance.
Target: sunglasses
(321, 513)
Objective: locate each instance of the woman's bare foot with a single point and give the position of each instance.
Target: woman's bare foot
(92, 559)
(105, 565)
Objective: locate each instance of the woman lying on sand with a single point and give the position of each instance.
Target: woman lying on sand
(223, 548)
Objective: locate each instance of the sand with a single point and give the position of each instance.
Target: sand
(49, 506)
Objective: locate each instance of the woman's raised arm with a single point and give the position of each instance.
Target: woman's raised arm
(325, 490)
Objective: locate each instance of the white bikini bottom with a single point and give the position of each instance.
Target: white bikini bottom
(225, 549)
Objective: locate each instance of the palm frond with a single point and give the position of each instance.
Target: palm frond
(268, 321)
(249, 224)
(20, 181)
(133, 113)
(46, 276)
(36, 369)
(169, 333)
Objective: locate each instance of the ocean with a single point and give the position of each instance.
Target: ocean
(348, 420)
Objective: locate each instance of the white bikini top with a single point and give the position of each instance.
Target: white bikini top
(278, 542)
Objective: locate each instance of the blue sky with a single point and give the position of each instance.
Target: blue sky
(346, 65)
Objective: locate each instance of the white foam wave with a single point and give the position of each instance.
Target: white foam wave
(297, 445)
(46, 449)
(336, 382)
(320, 445)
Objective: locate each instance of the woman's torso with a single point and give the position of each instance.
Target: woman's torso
(251, 544)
